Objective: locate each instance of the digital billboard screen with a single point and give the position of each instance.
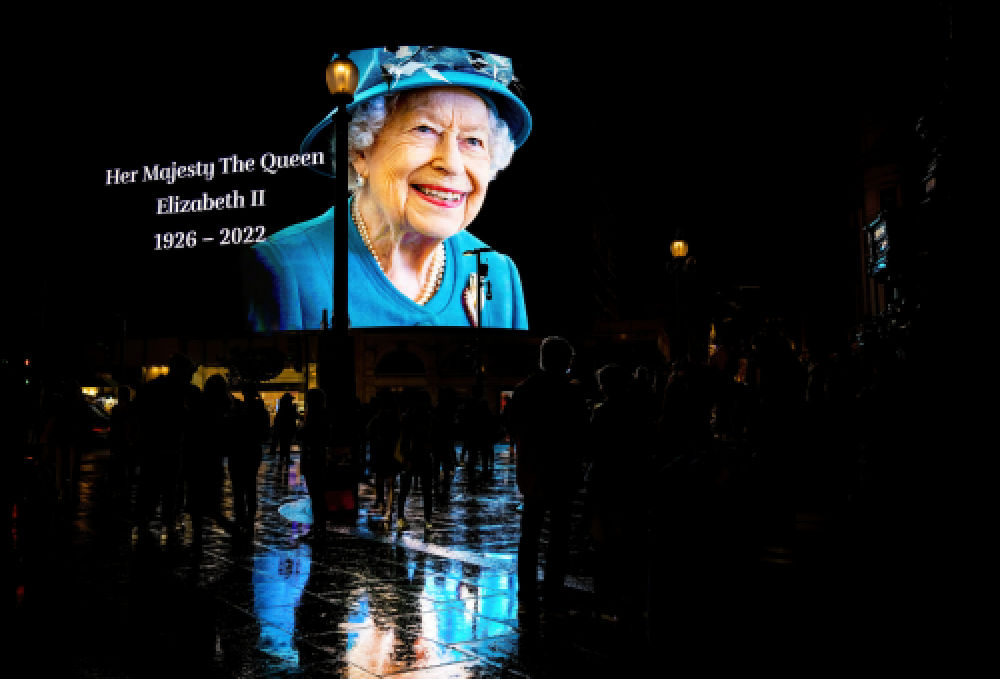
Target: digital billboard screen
(188, 190)
(218, 201)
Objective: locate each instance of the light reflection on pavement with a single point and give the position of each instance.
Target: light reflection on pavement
(376, 601)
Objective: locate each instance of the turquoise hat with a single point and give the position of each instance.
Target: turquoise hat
(384, 70)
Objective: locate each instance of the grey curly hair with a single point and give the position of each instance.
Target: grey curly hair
(370, 116)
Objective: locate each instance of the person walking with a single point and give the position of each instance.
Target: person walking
(122, 463)
(252, 425)
(548, 417)
(383, 432)
(286, 422)
(316, 436)
(205, 468)
(443, 437)
(166, 407)
(62, 437)
(415, 450)
(482, 436)
(622, 444)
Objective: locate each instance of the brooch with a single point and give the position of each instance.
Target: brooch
(469, 300)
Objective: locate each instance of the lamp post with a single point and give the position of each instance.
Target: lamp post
(342, 81)
(677, 264)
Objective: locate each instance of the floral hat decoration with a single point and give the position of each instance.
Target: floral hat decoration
(385, 71)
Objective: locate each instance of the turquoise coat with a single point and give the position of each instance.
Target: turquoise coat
(289, 282)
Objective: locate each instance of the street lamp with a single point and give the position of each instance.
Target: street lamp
(676, 266)
(342, 77)
(342, 80)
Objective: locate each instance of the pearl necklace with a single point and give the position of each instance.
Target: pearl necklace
(435, 273)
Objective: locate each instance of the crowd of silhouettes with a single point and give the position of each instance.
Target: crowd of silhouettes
(170, 446)
(690, 469)
(683, 468)
(411, 444)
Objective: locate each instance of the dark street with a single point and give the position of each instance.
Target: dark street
(95, 598)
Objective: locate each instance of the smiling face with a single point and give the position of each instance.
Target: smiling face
(429, 166)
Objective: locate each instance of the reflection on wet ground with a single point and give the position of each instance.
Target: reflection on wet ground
(743, 578)
(372, 600)
(383, 600)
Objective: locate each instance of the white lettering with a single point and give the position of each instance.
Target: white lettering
(271, 162)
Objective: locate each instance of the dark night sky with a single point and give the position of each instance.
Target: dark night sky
(736, 129)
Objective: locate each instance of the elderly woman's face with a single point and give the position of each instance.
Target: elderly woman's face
(429, 166)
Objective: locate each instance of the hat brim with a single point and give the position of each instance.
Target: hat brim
(509, 107)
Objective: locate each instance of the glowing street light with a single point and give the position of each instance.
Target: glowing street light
(342, 77)
(678, 248)
(676, 266)
(342, 80)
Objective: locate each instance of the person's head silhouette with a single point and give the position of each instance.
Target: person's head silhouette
(556, 355)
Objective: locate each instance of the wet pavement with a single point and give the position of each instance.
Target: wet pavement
(100, 599)
(95, 598)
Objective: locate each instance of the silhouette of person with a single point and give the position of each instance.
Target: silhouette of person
(205, 466)
(122, 445)
(686, 424)
(286, 422)
(349, 433)
(463, 423)
(548, 417)
(383, 431)
(62, 436)
(643, 390)
(166, 406)
(316, 437)
(622, 436)
(415, 449)
(343, 469)
(482, 434)
(443, 436)
(250, 430)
